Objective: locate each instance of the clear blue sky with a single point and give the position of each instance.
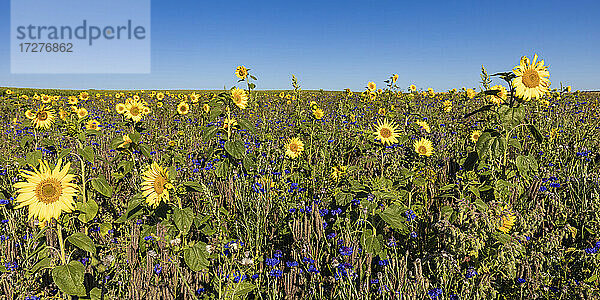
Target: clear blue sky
(344, 44)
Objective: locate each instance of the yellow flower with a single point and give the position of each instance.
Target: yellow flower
(475, 135)
(160, 96)
(413, 88)
(282, 95)
(29, 114)
(126, 141)
(134, 110)
(241, 72)
(507, 220)
(532, 78)
(47, 192)
(206, 108)
(72, 100)
(381, 111)
(294, 148)
(194, 98)
(568, 89)
(46, 98)
(424, 126)
(9, 92)
(159, 104)
(447, 105)
(92, 125)
(430, 92)
(36, 97)
(172, 143)
(371, 86)
(386, 132)
(318, 113)
(240, 97)
(156, 185)
(63, 114)
(82, 112)
(424, 147)
(394, 78)
(338, 172)
(500, 96)
(471, 93)
(84, 96)
(183, 108)
(120, 108)
(43, 118)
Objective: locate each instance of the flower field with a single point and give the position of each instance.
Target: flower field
(390, 192)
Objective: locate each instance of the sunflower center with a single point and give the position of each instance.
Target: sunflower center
(135, 111)
(48, 191)
(294, 147)
(42, 115)
(531, 78)
(422, 150)
(385, 133)
(159, 184)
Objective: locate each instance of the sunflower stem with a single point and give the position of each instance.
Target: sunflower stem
(61, 243)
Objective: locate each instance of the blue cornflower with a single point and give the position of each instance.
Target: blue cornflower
(157, 269)
(346, 250)
(278, 254)
(521, 280)
(291, 264)
(276, 273)
(470, 273)
(272, 261)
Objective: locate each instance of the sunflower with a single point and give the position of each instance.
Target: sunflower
(413, 88)
(120, 108)
(532, 78)
(394, 78)
(92, 125)
(471, 93)
(338, 172)
(84, 96)
(282, 95)
(423, 125)
(82, 112)
(43, 118)
(500, 95)
(318, 113)
(194, 98)
(424, 147)
(156, 185)
(386, 132)
(183, 108)
(294, 148)
(62, 114)
(9, 92)
(206, 108)
(72, 100)
(160, 96)
(568, 89)
(475, 135)
(371, 86)
(240, 97)
(447, 105)
(134, 110)
(241, 72)
(430, 92)
(29, 114)
(229, 123)
(47, 192)
(507, 220)
(126, 141)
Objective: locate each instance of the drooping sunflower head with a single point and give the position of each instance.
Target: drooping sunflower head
(386, 132)
(294, 148)
(500, 94)
(183, 108)
(532, 78)
(227, 123)
(156, 185)
(43, 118)
(424, 147)
(475, 135)
(423, 125)
(126, 141)
(241, 72)
(240, 97)
(47, 192)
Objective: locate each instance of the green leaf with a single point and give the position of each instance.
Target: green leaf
(481, 206)
(44, 263)
(393, 216)
(105, 228)
(88, 209)
(69, 278)
(134, 209)
(239, 290)
(244, 124)
(135, 137)
(249, 164)
(145, 149)
(209, 133)
(511, 117)
(343, 198)
(194, 186)
(536, 134)
(235, 148)
(82, 242)
(446, 211)
(183, 219)
(196, 257)
(370, 242)
(501, 237)
(33, 158)
(222, 169)
(101, 186)
(87, 153)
